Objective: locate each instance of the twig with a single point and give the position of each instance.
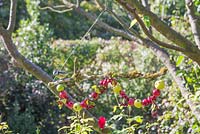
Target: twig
(56, 10)
(12, 17)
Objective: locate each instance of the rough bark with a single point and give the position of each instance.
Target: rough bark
(193, 21)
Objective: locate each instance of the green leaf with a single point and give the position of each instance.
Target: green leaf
(114, 109)
(147, 21)
(65, 127)
(133, 22)
(129, 120)
(138, 119)
(179, 60)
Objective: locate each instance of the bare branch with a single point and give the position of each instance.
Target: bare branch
(193, 21)
(12, 17)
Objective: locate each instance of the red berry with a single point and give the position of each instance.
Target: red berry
(149, 99)
(110, 80)
(131, 102)
(122, 93)
(156, 92)
(63, 95)
(104, 82)
(84, 103)
(101, 82)
(153, 98)
(102, 122)
(145, 102)
(94, 95)
(69, 104)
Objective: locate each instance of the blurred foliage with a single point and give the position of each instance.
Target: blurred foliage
(28, 107)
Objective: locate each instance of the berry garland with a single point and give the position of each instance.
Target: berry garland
(89, 102)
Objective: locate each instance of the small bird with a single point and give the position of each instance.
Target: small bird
(59, 74)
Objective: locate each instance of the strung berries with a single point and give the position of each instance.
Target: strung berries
(101, 122)
(138, 103)
(145, 102)
(131, 102)
(106, 83)
(69, 104)
(63, 95)
(60, 87)
(117, 88)
(156, 92)
(94, 95)
(160, 84)
(77, 107)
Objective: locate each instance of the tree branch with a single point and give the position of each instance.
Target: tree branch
(12, 17)
(159, 25)
(37, 72)
(146, 31)
(193, 21)
(103, 25)
(191, 50)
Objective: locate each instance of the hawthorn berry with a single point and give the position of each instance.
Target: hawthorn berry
(63, 95)
(145, 102)
(69, 104)
(153, 98)
(60, 87)
(94, 95)
(77, 107)
(84, 103)
(122, 93)
(138, 103)
(131, 102)
(160, 84)
(102, 122)
(156, 92)
(117, 88)
(150, 100)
